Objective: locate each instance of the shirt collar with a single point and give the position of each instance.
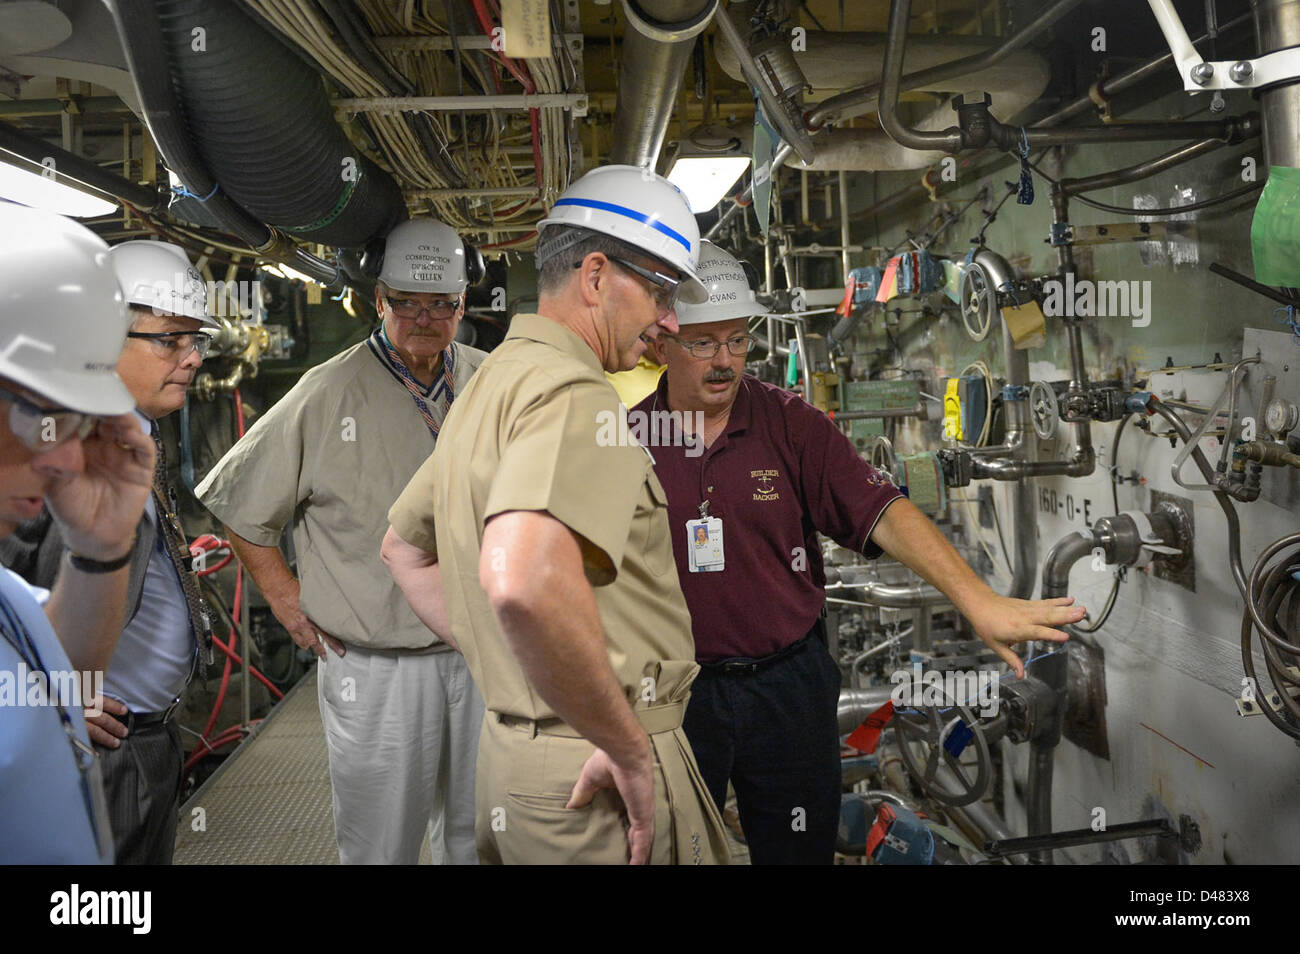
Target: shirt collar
(741, 411)
(548, 331)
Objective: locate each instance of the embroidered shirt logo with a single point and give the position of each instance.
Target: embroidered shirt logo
(765, 490)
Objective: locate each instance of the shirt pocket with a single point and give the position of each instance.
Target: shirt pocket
(658, 537)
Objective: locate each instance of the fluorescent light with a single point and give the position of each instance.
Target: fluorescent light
(284, 271)
(40, 192)
(706, 179)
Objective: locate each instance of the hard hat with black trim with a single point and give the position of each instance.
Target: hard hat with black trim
(730, 293)
(640, 209)
(63, 320)
(159, 276)
(426, 256)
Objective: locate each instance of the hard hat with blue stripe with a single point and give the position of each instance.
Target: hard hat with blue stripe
(640, 209)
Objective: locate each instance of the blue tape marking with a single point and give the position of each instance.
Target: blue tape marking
(958, 739)
(631, 214)
(182, 191)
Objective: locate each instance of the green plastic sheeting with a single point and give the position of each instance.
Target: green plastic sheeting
(1275, 231)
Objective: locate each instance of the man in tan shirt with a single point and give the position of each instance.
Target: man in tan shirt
(542, 549)
(400, 713)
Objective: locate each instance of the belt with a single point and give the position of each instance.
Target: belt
(147, 720)
(654, 720)
(754, 665)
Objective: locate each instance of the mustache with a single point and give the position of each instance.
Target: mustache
(719, 376)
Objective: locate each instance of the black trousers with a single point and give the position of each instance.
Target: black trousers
(770, 727)
(142, 782)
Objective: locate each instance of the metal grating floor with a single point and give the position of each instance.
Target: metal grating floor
(270, 802)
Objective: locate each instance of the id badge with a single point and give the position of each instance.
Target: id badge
(704, 545)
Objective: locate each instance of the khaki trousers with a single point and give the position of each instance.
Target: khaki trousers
(526, 772)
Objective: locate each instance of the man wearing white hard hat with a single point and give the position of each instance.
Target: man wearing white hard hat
(138, 743)
(544, 551)
(776, 471)
(67, 438)
(401, 714)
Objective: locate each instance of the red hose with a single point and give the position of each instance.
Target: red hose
(238, 661)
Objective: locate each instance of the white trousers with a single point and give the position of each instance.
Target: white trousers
(402, 733)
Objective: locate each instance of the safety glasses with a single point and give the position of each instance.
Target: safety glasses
(42, 429)
(409, 308)
(175, 345)
(666, 288)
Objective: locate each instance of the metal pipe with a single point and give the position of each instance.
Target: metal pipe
(1141, 170)
(844, 226)
(776, 113)
(1229, 511)
(855, 101)
(656, 49)
(856, 704)
(1066, 552)
(747, 197)
(71, 166)
(513, 101)
(979, 129)
(1277, 26)
(1102, 89)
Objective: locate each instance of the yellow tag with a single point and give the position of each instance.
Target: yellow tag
(526, 28)
(951, 411)
(1027, 324)
(313, 293)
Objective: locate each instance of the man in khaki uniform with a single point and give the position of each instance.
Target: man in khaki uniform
(542, 549)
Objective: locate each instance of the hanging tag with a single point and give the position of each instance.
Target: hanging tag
(526, 28)
(704, 545)
(1025, 195)
(866, 737)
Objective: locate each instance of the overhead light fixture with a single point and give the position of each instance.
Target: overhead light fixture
(38, 191)
(284, 271)
(708, 163)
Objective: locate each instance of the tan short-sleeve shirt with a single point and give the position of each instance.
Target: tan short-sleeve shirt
(536, 429)
(331, 456)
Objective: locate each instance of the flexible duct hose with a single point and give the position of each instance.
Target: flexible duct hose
(261, 122)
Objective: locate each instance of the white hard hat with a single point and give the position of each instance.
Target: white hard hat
(424, 256)
(62, 317)
(639, 208)
(730, 295)
(159, 276)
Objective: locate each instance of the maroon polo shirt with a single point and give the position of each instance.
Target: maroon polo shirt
(781, 472)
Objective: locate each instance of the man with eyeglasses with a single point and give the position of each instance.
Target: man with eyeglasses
(544, 552)
(400, 712)
(137, 740)
(775, 472)
(66, 439)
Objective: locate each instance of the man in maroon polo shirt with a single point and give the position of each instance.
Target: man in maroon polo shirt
(758, 475)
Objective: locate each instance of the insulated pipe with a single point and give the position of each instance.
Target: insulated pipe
(855, 102)
(70, 165)
(978, 129)
(656, 48)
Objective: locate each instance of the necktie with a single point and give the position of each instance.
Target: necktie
(169, 526)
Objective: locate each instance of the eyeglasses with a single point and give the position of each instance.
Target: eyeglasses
(737, 345)
(175, 345)
(666, 287)
(42, 429)
(409, 308)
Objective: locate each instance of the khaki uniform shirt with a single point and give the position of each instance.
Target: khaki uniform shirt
(530, 433)
(332, 455)
(526, 437)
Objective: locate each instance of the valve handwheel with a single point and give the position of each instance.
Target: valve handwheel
(1043, 410)
(883, 459)
(978, 301)
(921, 733)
